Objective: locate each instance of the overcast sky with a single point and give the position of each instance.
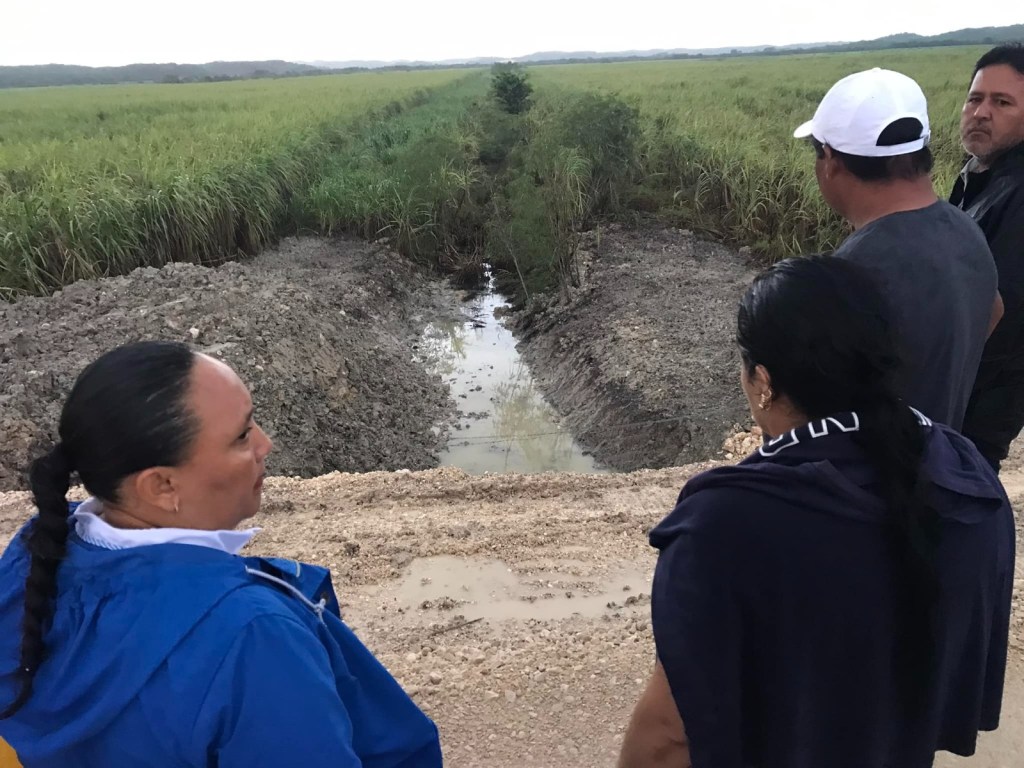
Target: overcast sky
(115, 32)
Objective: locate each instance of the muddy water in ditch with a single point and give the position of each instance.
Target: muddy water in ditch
(504, 424)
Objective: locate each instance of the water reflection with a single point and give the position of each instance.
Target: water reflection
(443, 345)
(504, 423)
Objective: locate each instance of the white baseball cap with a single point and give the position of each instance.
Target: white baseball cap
(859, 107)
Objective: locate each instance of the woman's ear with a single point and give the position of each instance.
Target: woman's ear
(762, 380)
(155, 488)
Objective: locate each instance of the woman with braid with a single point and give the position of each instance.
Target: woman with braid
(840, 599)
(132, 633)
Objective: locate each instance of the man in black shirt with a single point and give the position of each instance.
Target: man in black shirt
(991, 190)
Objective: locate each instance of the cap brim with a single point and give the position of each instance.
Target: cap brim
(804, 130)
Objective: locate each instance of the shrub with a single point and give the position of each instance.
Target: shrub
(510, 86)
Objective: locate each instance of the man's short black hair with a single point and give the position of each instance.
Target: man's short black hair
(1011, 54)
(908, 167)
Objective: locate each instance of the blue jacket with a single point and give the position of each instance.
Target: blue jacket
(176, 655)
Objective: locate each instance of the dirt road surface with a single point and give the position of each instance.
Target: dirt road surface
(552, 571)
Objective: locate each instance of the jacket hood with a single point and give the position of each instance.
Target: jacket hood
(136, 604)
(821, 467)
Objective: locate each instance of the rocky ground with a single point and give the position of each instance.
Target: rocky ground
(514, 608)
(642, 361)
(322, 332)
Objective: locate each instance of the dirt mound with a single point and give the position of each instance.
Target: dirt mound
(642, 362)
(322, 332)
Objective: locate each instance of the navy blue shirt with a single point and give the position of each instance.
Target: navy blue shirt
(776, 618)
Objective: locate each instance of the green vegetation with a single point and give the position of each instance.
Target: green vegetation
(717, 136)
(455, 167)
(414, 178)
(574, 159)
(511, 88)
(100, 180)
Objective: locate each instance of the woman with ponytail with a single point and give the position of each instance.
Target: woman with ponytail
(841, 598)
(132, 633)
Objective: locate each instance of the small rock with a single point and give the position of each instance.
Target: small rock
(435, 678)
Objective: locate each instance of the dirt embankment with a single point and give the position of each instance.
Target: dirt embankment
(515, 609)
(320, 330)
(642, 361)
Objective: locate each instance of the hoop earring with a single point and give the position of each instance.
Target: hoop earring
(766, 400)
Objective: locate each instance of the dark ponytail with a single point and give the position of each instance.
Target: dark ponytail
(50, 479)
(893, 437)
(820, 326)
(125, 413)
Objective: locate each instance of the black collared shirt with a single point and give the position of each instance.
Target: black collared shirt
(994, 198)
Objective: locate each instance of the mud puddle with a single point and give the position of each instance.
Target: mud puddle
(480, 588)
(503, 423)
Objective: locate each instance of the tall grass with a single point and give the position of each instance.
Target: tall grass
(717, 134)
(415, 179)
(98, 180)
(570, 159)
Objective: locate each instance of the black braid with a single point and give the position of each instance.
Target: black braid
(126, 412)
(894, 440)
(50, 478)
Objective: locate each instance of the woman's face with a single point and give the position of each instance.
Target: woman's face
(221, 482)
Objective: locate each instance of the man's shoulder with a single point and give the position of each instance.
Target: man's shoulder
(1011, 181)
(940, 228)
(1012, 163)
(944, 215)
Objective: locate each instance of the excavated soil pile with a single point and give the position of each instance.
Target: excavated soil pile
(641, 360)
(321, 331)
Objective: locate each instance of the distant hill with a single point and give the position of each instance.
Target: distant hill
(480, 61)
(68, 74)
(63, 74)
(974, 36)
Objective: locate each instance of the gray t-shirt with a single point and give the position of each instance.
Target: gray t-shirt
(940, 278)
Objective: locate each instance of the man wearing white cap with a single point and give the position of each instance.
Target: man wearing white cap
(870, 135)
